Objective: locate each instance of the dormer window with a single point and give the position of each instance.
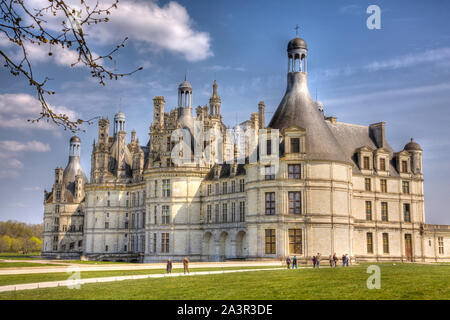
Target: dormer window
(366, 163)
(382, 164)
(404, 166)
(295, 145)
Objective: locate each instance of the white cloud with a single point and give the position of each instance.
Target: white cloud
(16, 146)
(16, 109)
(434, 55)
(158, 28)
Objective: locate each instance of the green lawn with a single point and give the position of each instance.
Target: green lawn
(401, 281)
(24, 264)
(57, 276)
(94, 262)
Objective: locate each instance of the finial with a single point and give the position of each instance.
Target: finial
(296, 30)
(412, 139)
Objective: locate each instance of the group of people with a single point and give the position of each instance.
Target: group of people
(316, 261)
(185, 265)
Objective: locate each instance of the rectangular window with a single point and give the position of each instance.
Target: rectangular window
(80, 243)
(404, 166)
(57, 208)
(209, 189)
(154, 242)
(293, 171)
(224, 213)
(295, 206)
(165, 215)
(241, 211)
(405, 187)
(367, 184)
(233, 212)
(269, 147)
(168, 145)
(384, 211)
(155, 214)
(156, 189)
(295, 241)
(208, 214)
(385, 243)
(407, 212)
(224, 187)
(217, 214)
(269, 173)
(166, 188)
(295, 145)
(383, 185)
(366, 161)
(368, 210)
(270, 241)
(382, 164)
(441, 245)
(369, 242)
(233, 186)
(241, 185)
(217, 189)
(270, 203)
(165, 242)
(106, 248)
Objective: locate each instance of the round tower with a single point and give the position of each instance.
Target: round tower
(297, 52)
(75, 144)
(416, 156)
(119, 122)
(185, 94)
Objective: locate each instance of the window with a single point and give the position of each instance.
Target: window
(154, 242)
(224, 188)
(168, 145)
(165, 215)
(233, 212)
(80, 243)
(241, 211)
(295, 145)
(295, 241)
(405, 187)
(241, 185)
(106, 248)
(208, 214)
(107, 214)
(368, 210)
(155, 214)
(57, 208)
(217, 189)
(367, 184)
(156, 188)
(369, 242)
(441, 245)
(404, 166)
(233, 186)
(270, 203)
(366, 163)
(71, 245)
(384, 211)
(217, 214)
(209, 189)
(165, 242)
(108, 203)
(269, 147)
(382, 164)
(269, 172)
(224, 213)
(270, 241)
(383, 185)
(385, 243)
(294, 202)
(406, 212)
(166, 188)
(293, 171)
(58, 194)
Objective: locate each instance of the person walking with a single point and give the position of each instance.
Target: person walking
(330, 260)
(169, 266)
(288, 262)
(343, 260)
(335, 260)
(186, 264)
(318, 259)
(294, 262)
(346, 260)
(314, 261)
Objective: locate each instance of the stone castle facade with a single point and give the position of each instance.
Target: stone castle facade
(333, 188)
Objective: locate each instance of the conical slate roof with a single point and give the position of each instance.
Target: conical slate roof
(297, 108)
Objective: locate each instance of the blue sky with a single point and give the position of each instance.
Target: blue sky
(399, 74)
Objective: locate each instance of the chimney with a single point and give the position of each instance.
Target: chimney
(377, 131)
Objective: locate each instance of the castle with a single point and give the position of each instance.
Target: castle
(305, 183)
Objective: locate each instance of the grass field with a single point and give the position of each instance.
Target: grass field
(20, 264)
(401, 281)
(58, 276)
